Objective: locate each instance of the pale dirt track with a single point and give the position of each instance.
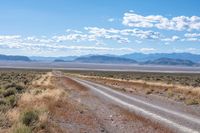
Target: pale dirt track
(99, 114)
(178, 121)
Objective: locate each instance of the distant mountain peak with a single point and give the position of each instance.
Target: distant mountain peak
(169, 61)
(104, 59)
(13, 58)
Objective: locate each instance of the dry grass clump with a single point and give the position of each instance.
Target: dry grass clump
(21, 128)
(192, 101)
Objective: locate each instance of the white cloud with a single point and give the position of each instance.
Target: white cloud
(147, 50)
(141, 33)
(100, 35)
(191, 35)
(178, 23)
(71, 37)
(9, 37)
(38, 44)
(73, 31)
(171, 39)
(192, 39)
(101, 31)
(111, 19)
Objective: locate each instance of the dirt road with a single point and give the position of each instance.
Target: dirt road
(177, 120)
(110, 108)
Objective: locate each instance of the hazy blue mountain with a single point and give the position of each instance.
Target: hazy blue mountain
(59, 60)
(145, 57)
(186, 59)
(13, 58)
(40, 58)
(169, 61)
(104, 59)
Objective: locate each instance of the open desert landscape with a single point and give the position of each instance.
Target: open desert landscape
(98, 101)
(99, 66)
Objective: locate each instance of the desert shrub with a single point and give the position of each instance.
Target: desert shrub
(8, 85)
(149, 91)
(11, 100)
(21, 128)
(3, 105)
(4, 122)
(191, 101)
(1, 91)
(29, 117)
(170, 94)
(20, 88)
(4, 108)
(2, 102)
(9, 92)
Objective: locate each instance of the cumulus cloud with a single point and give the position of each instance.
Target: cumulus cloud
(10, 41)
(39, 44)
(101, 31)
(147, 50)
(171, 39)
(9, 37)
(194, 37)
(99, 35)
(178, 23)
(118, 34)
(141, 33)
(71, 37)
(93, 34)
(191, 35)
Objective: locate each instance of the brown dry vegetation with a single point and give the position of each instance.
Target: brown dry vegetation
(44, 103)
(163, 84)
(13, 84)
(33, 105)
(44, 106)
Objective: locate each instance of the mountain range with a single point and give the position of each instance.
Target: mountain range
(140, 57)
(104, 59)
(170, 61)
(181, 59)
(14, 58)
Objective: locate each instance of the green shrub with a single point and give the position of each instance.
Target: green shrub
(191, 101)
(20, 88)
(9, 92)
(2, 102)
(37, 92)
(4, 108)
(1, 91)
(21, 128)
(11, 100)
(149, 91)
(8, 85)
(29, 118)
(170, 94)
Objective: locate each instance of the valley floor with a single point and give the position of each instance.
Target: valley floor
(55, 103)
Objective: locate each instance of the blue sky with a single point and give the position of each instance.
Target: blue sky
(78, 27)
